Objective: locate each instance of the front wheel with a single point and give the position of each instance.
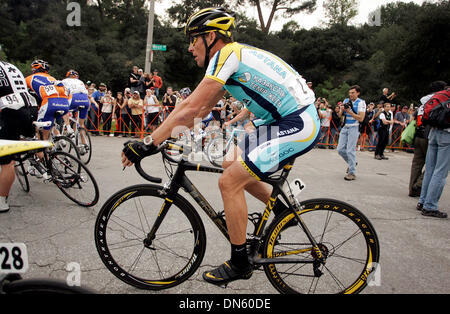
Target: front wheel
(42, 286)
(84, 145)
(345, 237)
(216, 150)
(65, 144)
(162, 261)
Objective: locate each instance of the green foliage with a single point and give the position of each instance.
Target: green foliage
(405, 53)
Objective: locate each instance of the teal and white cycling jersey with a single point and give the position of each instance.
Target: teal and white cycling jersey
(268, 87)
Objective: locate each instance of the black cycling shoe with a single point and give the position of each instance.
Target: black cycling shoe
(226, 273)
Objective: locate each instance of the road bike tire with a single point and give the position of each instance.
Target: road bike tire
(22, 176)
(174, 254)
(215, 151)
(346, 237)
(42, 286)
(73, 178)
(63, 143)
(85, 156)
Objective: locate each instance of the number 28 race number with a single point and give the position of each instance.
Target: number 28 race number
(13, 258)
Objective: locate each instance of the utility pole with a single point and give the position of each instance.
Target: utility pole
(148, 51)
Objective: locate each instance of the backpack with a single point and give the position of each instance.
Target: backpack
(364, 124)
(437, 110)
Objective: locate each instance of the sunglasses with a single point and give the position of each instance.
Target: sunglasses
(193, 39)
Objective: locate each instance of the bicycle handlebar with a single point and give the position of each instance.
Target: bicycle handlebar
(143, 174)
(162, 148)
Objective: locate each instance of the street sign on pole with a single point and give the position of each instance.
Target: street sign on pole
(159, 47)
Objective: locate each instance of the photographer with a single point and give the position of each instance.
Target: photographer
(169, 100)
(353, 110)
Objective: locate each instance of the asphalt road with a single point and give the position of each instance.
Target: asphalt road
(415, 251)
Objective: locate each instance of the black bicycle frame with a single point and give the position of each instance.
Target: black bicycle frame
(180, 180)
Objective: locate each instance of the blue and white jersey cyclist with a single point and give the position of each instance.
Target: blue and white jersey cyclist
(286, 124)
(278, 97)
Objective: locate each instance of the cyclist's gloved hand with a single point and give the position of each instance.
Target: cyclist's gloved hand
(136, 150)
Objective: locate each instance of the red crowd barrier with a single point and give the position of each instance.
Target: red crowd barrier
(135, 125)
(367, 139)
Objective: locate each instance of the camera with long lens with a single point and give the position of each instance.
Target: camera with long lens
(347, 105)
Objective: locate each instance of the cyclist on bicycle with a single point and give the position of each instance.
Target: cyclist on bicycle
(279, 97)
(51, 94)
(78, 98)
(18, 110)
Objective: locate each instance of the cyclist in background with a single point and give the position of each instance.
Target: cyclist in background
(51, 94)
(288, 124)
(18, 110)
(78, 98)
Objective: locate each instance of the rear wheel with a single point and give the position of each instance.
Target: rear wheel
(22, 176)
(346, 239)
(73, 178)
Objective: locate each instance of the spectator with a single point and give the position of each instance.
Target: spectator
(421, 143)
(119, 105)
(152, 108)
(169, 100)
(375, 123)
(148, 81)
(137, 109)
(98, 94)
(367, 128)
(310, 84)
(125, 112)
(401, 120)
(325, 117)
(134, 79)
(92, 121)
(108, 106)
(437, 166)
(157, 83)
(383, 132)
(385, 97)
(141, 86)
(335, 125)
(353, 110)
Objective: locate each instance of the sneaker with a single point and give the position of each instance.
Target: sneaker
(226, 273)
(4, 206)
(384, 157)
(350, 177)
(433, 213)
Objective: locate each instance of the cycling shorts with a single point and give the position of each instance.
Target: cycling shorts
(78, 100)
(270, 147)
(14, 123)
(49, 107)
